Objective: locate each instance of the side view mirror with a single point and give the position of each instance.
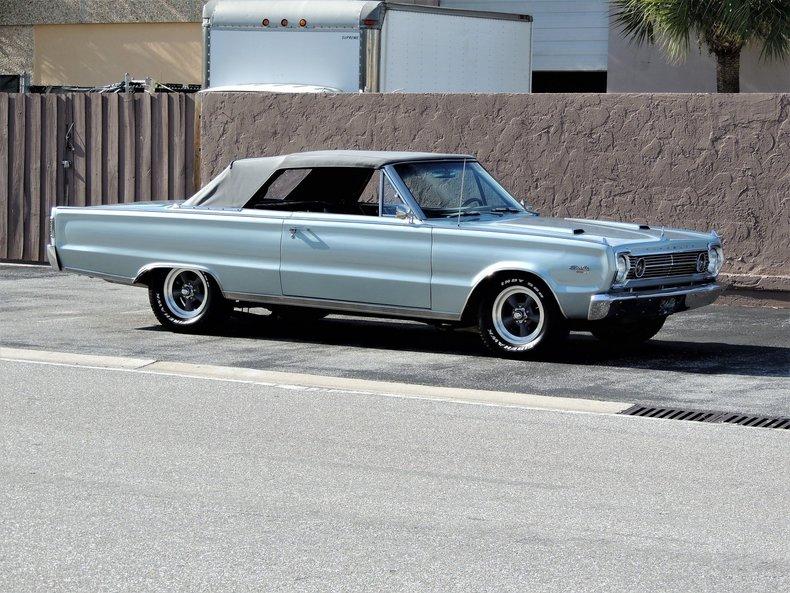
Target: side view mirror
(402, 212)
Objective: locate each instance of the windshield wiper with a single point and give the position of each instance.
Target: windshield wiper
(505, 209)
(464, 213)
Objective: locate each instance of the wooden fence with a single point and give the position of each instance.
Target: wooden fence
(83, 149)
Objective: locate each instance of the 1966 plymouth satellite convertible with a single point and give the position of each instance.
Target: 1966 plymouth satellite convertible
(421, 236)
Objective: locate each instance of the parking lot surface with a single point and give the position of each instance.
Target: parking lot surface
(721, 357)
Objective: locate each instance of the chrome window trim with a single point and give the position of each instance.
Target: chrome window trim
(403, 192)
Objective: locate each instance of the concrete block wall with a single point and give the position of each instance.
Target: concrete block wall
(701, 161)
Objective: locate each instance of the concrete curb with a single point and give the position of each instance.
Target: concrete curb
(294, 380)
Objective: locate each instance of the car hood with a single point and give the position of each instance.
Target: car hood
(616, 234)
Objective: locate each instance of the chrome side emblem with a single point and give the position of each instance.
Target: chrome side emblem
(639, 269)
(580, 269)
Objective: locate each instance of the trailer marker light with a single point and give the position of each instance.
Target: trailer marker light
(369, 22)
(265, 22)
(303, 23)
(284, 22)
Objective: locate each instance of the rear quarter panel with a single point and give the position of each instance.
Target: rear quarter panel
(241, 250)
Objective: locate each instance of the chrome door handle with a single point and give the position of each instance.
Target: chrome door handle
(293, 230)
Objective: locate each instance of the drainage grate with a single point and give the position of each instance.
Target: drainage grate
(708, 416)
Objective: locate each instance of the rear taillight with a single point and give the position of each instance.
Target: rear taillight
(52, 231)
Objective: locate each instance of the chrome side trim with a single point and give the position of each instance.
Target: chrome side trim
(108, 277)
(697, 296)
(347, 306)
(52, 256)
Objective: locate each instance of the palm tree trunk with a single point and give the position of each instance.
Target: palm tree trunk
(728, 71)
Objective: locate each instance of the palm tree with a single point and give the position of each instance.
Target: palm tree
(724, 26)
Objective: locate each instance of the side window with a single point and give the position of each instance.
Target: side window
(389, 198)
(284, 184)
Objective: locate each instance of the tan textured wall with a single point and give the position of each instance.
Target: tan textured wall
(95, 55)
(698, 161)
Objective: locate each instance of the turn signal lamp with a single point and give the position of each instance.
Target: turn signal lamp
(302, 23)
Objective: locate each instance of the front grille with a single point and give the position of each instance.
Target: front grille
(660, 265)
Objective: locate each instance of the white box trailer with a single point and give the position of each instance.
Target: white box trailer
(371, 46)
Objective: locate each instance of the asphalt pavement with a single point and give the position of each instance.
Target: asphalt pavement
(130, 481)
(721, 357)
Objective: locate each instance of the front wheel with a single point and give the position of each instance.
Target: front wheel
(187, 300)
(627, 333)
(518, 317)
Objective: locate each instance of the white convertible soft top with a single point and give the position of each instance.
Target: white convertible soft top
(237, 183)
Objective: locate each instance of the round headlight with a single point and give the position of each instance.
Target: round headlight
(622, 268)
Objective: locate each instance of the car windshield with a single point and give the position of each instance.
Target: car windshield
(447, 188)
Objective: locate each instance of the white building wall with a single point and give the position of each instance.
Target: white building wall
(566, 34)
(645, 69)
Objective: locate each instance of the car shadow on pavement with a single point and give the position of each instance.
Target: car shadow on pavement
(582, 349)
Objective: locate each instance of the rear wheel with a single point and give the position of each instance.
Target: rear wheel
(627, 333)
(518, 317)
(187, 300)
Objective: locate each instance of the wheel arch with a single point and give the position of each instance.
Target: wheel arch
(490, 275)
(146, 272)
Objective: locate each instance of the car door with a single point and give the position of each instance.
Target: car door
(383, 259)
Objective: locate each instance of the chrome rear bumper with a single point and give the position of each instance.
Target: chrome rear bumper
(651, 304)
(52, 256)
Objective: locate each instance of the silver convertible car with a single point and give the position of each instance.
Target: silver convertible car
(421, 236)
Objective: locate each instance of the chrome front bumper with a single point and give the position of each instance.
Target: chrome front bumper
(651, 304)
(52, 256)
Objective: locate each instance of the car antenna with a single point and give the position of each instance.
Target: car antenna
(461, 195)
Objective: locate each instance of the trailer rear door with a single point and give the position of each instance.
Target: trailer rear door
(440, 52)
(287, 56)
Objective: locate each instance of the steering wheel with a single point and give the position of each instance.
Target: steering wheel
(470, 201)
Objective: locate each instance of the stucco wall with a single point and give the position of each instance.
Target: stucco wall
(698, 161)
(16, 50)
(47, 12)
